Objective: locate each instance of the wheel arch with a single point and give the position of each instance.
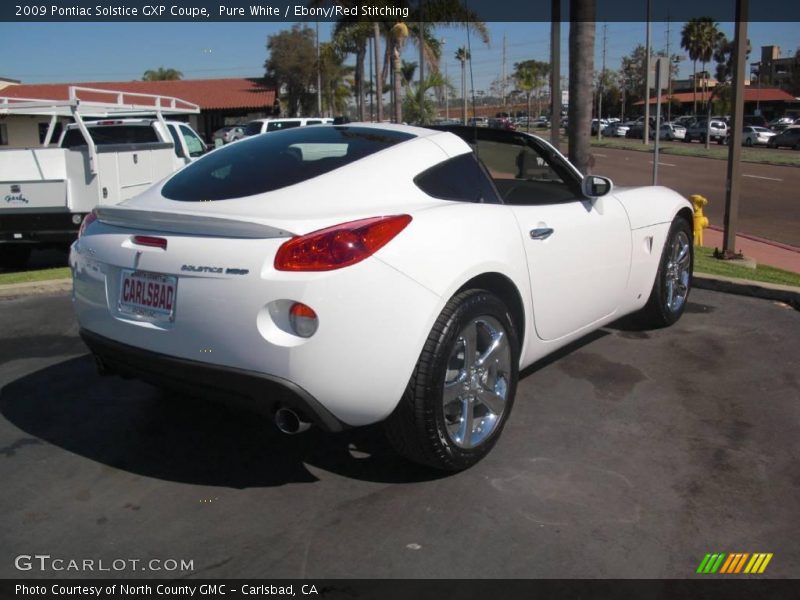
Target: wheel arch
(505, 289)
(686, 213)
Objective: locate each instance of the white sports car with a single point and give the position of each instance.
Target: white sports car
(347, 275)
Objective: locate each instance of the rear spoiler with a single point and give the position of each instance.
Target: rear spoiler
(174, 222)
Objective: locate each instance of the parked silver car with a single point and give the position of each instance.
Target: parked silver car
(671, 131)
(715, 130)
(617, 129)
(228, 134)
(752, 135)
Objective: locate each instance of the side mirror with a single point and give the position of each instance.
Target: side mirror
(594, 186)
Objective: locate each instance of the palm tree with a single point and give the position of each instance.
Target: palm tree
(463, 55)
(424, 112)
(399, 35)
(581, 74)
(529, 75)
(162, 74)
(337, 80)
(376, 35)
(699, 37)
(351, 37)
(438, 12)
(407, 69)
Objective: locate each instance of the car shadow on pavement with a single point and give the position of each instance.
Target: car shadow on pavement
(137, 428)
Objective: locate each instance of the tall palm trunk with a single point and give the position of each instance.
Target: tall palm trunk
(705, 87)
(694, 86)
(398, 85)
(464, 91)
(529, 112)
(376, 32)
(581, 68)
(359, 76)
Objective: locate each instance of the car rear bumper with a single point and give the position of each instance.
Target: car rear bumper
(39, 228)
(258, 392)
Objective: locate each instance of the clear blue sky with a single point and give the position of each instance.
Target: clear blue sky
(81, 52)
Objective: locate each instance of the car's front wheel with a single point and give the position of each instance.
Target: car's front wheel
(674, 278)
(462, 389)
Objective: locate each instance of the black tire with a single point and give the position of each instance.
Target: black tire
(419, 427)
(748, 142)
(657, 312)
(14, 256)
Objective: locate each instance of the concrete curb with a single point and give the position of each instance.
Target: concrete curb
(760, 240)
(34, 288)
(744, 287)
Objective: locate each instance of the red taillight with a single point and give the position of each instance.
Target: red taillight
(87, 220)
(149, 240)
(339, 246)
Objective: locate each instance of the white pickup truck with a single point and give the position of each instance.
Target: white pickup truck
(45, 192)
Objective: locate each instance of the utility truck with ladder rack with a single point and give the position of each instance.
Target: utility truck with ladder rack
(118, 145)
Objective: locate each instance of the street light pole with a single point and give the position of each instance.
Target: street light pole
(646, 135)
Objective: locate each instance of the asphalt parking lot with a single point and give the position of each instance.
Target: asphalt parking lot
(631, 454)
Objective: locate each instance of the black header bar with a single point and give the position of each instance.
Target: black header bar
(291, 11)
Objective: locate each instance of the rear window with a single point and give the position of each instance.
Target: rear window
(112, 134)
(270, 162)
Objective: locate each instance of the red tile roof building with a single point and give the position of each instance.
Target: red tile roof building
(771, 102)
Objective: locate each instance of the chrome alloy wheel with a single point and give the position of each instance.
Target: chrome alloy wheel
(477, 382)
(678, 271)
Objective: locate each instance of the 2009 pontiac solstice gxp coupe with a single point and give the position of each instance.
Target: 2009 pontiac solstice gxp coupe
(345, 275)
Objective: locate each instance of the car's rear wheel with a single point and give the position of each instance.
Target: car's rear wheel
(462, 389)
(674, 278)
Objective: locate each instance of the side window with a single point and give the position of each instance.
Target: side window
(460, 178)
(523, 175)
(313, 122)
(194, 144)
(281, 125)
(175, 140)
(3, 134)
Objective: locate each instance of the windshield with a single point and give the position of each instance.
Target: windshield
(270, 162)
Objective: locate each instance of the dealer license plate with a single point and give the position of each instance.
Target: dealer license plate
(148, 296)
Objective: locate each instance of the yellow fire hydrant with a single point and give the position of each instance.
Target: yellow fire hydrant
(700, 220)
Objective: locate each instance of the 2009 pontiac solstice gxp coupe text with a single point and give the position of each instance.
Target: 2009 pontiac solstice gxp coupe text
(345, 275)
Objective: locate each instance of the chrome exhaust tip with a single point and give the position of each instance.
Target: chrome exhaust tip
(289, 422)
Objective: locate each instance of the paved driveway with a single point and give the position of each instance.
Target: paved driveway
(631, 454)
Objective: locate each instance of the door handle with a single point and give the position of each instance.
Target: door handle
(541, 233)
